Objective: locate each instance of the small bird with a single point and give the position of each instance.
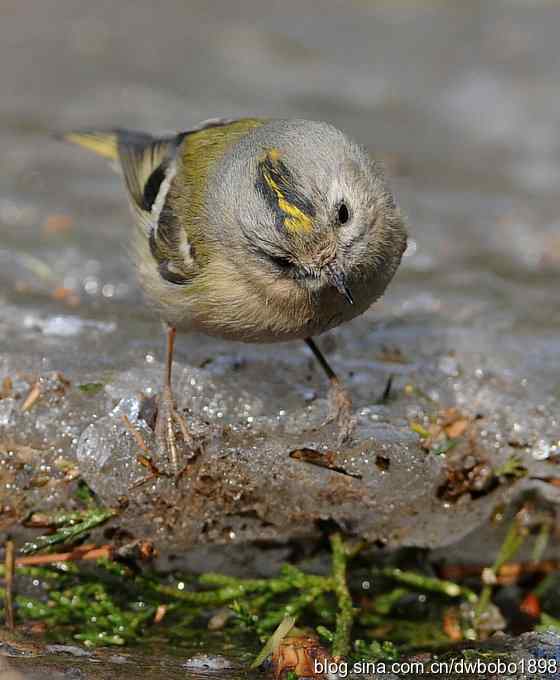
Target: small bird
(257, 230)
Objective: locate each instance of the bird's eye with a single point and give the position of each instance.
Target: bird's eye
(343, 214)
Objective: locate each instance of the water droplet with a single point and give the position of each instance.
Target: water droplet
(541, 451)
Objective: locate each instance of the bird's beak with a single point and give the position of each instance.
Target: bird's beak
(337, 279)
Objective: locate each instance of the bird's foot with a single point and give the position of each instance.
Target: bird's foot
(175, 445)
(340, 411)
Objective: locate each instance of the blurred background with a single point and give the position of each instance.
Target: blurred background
(460, 99)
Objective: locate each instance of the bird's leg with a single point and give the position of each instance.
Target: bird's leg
(340, 401)
(168, 417)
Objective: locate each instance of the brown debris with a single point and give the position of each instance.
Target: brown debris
(6, 388)
(155, 472)
(143, 458)
(139, 550)
(62, 384)
(32, 397)
(555, 481)
(83, 552)
(36, 390)
(507, 574)
(453, 422)
(451, 624)
(473, 477)
(382, 462)
(14, 644)
(38, 520)
(450, 424)
(161, 611)
(220, 618)
(57, 224)
(457, 428)
(137, 438)
(392, 355)
(531, 605)
(467, 470)
(66, 295)
(25, 454)
(299, 654)
(324, 459)
(68, 468)
(9, 585)
(36, 627)
(9, 515)
(340, 490)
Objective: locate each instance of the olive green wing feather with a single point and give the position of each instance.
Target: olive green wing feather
(156, 171)
(146, 161)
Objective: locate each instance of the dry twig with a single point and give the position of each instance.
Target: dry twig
(9, 581)
(84, 552)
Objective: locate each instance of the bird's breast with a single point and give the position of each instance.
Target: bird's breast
(231, 304)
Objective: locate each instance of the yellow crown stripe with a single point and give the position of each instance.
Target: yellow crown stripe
(296, 220)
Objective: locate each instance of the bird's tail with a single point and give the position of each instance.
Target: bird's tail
(102, 143)
(142, 159)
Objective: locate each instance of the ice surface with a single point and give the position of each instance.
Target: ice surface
(244, 485)
(65, 326)
(107, 452)
(208, 662)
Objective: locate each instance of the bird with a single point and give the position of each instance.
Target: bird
(259, 230)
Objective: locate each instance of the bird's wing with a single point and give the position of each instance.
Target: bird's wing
(146, 161)
(149, 166)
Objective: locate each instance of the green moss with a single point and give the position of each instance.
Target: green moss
(91, 388)
(513, 467)
(422, 582)
(548, 622)
(71, 527)
(112, 603)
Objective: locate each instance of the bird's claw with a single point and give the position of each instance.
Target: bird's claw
(173, 438)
